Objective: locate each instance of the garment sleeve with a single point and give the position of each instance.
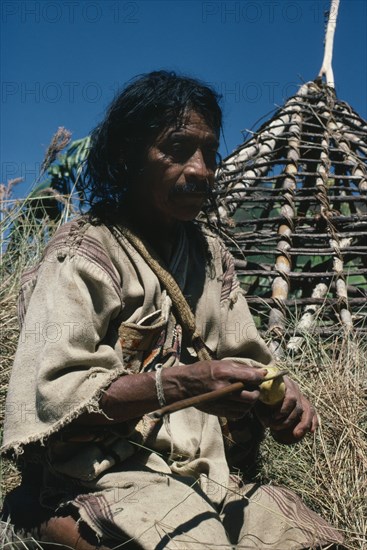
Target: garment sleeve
(66, 354)
(239, 336)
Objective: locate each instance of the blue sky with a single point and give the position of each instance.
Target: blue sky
(62, 61)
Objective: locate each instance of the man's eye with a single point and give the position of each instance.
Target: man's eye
(176, 147)
(181, 151)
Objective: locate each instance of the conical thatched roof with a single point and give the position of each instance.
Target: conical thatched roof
(293, 198)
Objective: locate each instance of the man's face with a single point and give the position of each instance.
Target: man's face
(178, 171)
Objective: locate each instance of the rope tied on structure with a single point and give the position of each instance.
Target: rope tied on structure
(301, 213)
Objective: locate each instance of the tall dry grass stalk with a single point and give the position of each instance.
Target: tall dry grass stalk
(329, 469)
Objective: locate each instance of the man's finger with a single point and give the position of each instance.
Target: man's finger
(247, 396)
(288, 420)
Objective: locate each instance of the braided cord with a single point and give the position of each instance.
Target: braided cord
(183, 311)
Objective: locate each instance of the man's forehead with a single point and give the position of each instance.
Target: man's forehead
(191, 123)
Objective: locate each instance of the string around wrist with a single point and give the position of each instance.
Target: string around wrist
(159, 386)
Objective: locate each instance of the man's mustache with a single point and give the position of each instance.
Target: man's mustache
(202, 188)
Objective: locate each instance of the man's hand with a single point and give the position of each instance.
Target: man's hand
(133, 395)
(207, 376)
(292, 419)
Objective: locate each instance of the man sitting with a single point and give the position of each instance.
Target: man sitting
(138, 307)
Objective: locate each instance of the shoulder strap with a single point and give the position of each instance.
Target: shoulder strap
(182, 308)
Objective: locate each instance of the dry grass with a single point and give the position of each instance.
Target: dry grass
(23, 238)
(329, 470)
(9, 337)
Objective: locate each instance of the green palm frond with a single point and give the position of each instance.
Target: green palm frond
(63, 182)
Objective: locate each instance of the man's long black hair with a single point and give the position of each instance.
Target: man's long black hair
(142, 111)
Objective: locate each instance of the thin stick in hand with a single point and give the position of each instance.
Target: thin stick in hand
(205, 397)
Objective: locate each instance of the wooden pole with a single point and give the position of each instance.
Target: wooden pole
(326, 67)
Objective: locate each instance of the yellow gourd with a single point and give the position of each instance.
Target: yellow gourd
(272, 391)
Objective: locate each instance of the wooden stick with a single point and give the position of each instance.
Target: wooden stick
(266, 235)
(296, 274)
(326, 68)
(301, 301)
(307, 321)
(304, 221)
(307, 251)
(205, 397)
(309, 198)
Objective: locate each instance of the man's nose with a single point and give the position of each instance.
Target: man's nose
(197, 167)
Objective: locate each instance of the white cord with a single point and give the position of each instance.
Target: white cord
(159, 385)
